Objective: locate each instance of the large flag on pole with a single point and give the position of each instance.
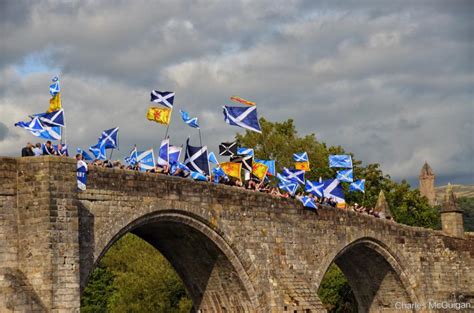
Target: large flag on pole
(55, 91)
(196, 159)
(314, 187)
(163, 158)
(51, 133)
(98, 151)
(340, 160)
(109, 138)
(52, 119)
(146, 159)
(34, 125)
(159, 115)
(243, 117)
(333, 189)
(165, 98)
(228, 148)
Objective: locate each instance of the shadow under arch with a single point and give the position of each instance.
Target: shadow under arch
(376, 275)
(210, 269)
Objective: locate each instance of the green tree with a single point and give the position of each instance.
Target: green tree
(335, 292)
(467, 205)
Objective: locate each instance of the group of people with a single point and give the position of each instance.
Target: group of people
(39, 149)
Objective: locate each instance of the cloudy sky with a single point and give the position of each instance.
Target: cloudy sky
(391, 81)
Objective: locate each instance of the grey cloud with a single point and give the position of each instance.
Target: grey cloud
(3, 131)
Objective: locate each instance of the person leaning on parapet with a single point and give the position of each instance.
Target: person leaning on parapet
(37, 149)
(49, 148)
(28, 150)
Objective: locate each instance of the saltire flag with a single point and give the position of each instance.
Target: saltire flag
(98, 151)
(308, 202)
(178, 165)
(242, 100)
(218, 172)
(45, 150)
(345, 175)
(54, 88)
(198, 176)
(290, 187)
(212, 158)
(132, 159)
(259, 170)
(296, 175)
(146, 159)
(333, 189)
(243, 117)
(163, 158)
(192, 122)
(84, 154)
(301, 157)
(340, 160)
(315, 188)
(228, 148)
(34, 125)
(245, 151)
(284, 179)
(63, 151)
(81, 175)
(165, 98)
(246, 160)
(302, 166)
(358, 185)
(51, 133)
(109, 138)
(159, 115)
(270, 164)
(196, 159)
(174, 152)
(232, 169)
(51, 119)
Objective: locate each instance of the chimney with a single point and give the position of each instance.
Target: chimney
(452, 220)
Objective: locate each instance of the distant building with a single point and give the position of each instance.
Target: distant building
(427, 187)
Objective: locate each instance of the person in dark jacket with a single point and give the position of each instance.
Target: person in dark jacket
(28, 150)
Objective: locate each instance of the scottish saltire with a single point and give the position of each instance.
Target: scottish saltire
(246, 160)
(165, 98)
(218, 172)
(46, 151)
(289, 187)
(228, 148)
(98, 150)
(242, 100)
(109, 138)
(333, 189)
(159, 115)
(297, 175)
(163, 153)
(198, 176)
(345, 175)
(232, 169)
(174, 152)
(132, 159)
(196, 159)
(50, 133)
(302, 166)
(146, 160)
(270, 164)
(315, 188)
(55, 103)
(245, 151)
(192, 122)
(301, 157)
(84, 154)
(340, 160)
(178, 165)
(308, 202)
(33, 125)
(243, 117)
(358, 185)
(259, 170)
(63, 151)
(54, 88)
(81, 174)
(52, 119)
(212, 158)
(284, 179)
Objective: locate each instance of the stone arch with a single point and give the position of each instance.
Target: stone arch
(215, 278)
(376, 275)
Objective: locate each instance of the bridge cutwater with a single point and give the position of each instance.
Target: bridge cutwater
(236, 251)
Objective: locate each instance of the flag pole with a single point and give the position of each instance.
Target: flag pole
(168, 125)
(200, 138)
(111, 153)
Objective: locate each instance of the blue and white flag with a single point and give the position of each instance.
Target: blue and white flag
(212, 158)
(300, 157)
(54, 88)
(165, 98)
(98, 151)
(174, 152)
(290, 187)
(163, 158)
(109, 138)
(218, 172)
(198, 176)
(34, 125)
(85, 155)
(242, 117)
(55, 118)
(340, 160)
(296, 175)
(51, 133)
(308, 202)
(245, 151)
(63, 151)
(196, 159)
(81, 175)
(284, 179)
(270, 164)
(315, 188)
(345, 175)
(333, 189)
(192, 122)
(132, 159)
(358, 185)
(146, 159)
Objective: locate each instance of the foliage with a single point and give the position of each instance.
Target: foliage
(134, 277)
(467, 205)
(335, 292)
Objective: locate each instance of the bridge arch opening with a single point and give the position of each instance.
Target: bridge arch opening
(212, 274)
(376, 279)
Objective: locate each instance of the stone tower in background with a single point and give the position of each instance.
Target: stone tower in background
(427, 178)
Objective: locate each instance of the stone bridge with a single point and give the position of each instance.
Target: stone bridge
(236, 251)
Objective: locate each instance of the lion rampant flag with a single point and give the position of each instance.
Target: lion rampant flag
(302, 166)
(232, 168)
(159, 115)
(55, 103)
(259, 170)
(242, 100)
